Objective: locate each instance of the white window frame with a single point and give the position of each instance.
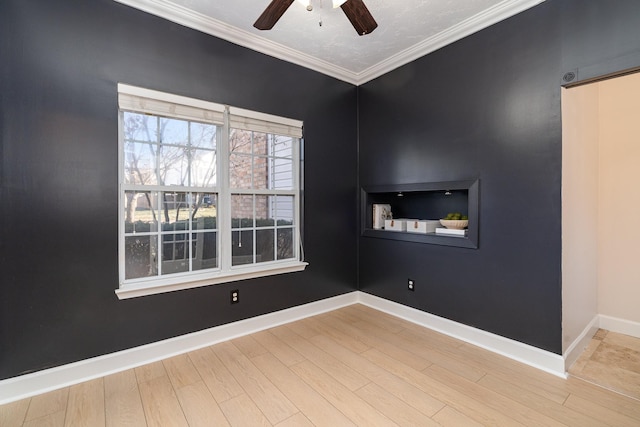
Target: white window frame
(141, 100)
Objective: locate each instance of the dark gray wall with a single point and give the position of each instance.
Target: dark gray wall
(487, 107)
(60, 63)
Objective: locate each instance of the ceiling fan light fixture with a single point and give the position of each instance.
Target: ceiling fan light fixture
(355, 10)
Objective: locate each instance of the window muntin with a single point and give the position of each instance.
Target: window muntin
(194, 209)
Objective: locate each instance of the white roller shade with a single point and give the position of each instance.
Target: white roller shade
(267, 123)
(148, 101)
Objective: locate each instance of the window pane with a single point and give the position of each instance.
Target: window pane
(175, 211)
(259, 144)
(281, 174)
(242, 247)
(203, 135)
(175, 253)
(265, 214)
(264, 245)
(240, 141)
(174, 131)
(203, 168)
(240, 171)
(174, 165)
(285, 243)
(241, 211)
(173, 247)
(140, 127)
(140, 253)
(284, 209)
(281, 146)
(140, 163)
(140, 211)
(205, 211)
(204, 250)
(260, 173)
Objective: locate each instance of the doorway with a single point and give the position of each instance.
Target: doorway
(601, 211)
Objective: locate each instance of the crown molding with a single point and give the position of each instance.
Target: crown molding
(482, 20)
(197, 21)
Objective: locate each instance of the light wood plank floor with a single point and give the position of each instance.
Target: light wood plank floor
(351, 367)
(611, 360)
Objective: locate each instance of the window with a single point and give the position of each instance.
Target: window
(208, 193)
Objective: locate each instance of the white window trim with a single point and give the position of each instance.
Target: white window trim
(134, 98)
(238, 273)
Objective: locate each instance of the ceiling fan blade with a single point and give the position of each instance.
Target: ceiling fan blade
(272, 13)
(360, 17)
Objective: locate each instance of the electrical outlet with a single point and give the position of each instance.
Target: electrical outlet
(411, 285)
(235, 296)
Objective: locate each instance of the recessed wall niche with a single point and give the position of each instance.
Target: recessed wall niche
(424, 201)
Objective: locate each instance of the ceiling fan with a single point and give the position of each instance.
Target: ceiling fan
(355, 10)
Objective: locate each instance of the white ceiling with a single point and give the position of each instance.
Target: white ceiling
(407, 29)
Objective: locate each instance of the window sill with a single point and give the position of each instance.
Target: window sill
(138, 290)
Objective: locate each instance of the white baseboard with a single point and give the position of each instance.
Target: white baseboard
(532, 356)
(580, 344)
(35, 383)
(28, 385)
(620, 326)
